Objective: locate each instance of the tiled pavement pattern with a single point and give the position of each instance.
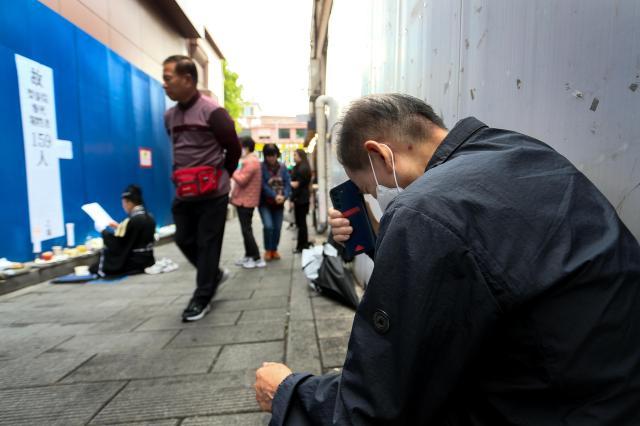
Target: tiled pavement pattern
(119, 353)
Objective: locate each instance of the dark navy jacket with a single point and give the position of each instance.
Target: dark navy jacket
(132, 251)
(506, 290)
(268, 194)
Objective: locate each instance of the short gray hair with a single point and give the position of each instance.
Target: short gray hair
(382, 117)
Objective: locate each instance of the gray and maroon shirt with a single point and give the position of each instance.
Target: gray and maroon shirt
(203, 134)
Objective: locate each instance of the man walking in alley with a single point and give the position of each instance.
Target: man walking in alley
(205, 154)
(506, 289)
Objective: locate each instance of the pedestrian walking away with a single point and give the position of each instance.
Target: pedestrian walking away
(276, 188)
(505, 288)
(205, 154)
(245, 196)
(300, 182)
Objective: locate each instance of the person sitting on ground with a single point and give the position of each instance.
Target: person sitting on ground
(276, 187)
(128, 246)
(245, 196)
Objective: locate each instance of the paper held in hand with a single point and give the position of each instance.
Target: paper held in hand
(98, 214)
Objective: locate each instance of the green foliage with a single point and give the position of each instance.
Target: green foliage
(233, 102)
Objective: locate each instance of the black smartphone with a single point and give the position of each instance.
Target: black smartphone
(347, 199)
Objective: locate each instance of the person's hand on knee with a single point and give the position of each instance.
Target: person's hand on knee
(268, 378)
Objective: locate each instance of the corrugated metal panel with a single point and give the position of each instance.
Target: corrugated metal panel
(565, 72)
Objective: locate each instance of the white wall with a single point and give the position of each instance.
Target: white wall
(565, 72)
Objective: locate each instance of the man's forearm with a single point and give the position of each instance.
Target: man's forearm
(297, 398)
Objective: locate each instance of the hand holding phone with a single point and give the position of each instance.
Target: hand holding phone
(340, 226)
(357, 235)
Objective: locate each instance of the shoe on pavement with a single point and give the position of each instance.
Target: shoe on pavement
(249, 264)
(268, 255)
(195, 311)
(161, 266)
(240, 261)
(170, 266)
(156, 268)
(260, 263)
(275, 255)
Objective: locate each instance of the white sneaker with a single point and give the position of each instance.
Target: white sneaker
(154, 269)
(169, 266)
(252, 263)
(241, 261)
(249, 263)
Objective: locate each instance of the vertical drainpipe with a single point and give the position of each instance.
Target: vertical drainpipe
(322, 158)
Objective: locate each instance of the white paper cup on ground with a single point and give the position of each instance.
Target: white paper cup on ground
(81, 270)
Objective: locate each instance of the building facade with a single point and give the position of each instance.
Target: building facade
(145, 32)
(287, 132)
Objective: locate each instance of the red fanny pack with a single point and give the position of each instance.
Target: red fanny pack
(196, 181)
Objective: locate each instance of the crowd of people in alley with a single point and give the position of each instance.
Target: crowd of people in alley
(212, 168)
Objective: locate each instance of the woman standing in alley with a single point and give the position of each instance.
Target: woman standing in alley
(276, 188)
(245, 196)
(300, 181)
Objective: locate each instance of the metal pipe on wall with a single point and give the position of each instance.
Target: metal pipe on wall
(322, 160)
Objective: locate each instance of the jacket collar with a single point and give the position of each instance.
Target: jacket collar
(137, 210)
(185, 106)
(462, 131)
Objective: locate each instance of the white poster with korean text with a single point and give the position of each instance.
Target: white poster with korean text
(37, 104)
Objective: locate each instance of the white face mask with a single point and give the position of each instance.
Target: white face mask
(385, 195)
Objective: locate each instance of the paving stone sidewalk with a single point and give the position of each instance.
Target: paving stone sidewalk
(79, 354)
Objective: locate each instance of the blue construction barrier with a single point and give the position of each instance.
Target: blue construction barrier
(108, 109)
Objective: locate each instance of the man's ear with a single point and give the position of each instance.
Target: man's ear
(381, 151)
(188, 79)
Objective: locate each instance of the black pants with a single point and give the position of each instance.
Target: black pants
(245, 216)
(300, 212)
(199, 232)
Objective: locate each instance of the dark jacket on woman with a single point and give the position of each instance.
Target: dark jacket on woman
(302, 174)
(275, 181)
(130, 248)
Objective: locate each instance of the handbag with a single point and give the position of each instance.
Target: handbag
(277, 185)
(335, 282)
(196, 181)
